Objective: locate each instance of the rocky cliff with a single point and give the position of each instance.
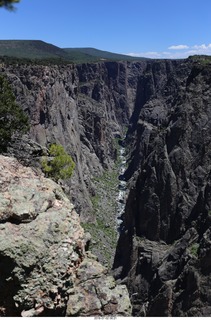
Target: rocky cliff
(82, 107)
(164, 249)
(163, 252)
(85, 108)
(45, 267)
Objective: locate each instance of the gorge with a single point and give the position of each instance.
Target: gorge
(163, 253)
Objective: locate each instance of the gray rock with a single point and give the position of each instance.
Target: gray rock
(97, 293)
(169, 199)
(42, 251)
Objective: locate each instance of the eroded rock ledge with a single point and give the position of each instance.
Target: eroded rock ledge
(45, 269)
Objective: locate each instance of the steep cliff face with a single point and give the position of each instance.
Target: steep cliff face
(82, 107)
(163, 248)
(49, 97)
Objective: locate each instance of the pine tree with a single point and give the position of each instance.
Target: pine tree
(12, 117)
(8, 4)
(59, 165)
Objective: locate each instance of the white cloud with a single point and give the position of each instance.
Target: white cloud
(199, 47)
(176, 52)
(155, 55)
(149, 54)
(178, 47)
(202, 47)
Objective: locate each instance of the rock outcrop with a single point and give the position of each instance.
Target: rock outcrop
(44, 266)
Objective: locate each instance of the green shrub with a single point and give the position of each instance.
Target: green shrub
(194, 249)
(12, 117)
(59, 165)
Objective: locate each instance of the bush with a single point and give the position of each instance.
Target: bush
(12, 117)
(194, 249)
(59, 165)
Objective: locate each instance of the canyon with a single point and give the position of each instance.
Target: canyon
(143, 126)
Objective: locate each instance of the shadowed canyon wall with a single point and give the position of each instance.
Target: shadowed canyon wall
(164, 249)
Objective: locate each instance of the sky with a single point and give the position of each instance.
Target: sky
(147, 28)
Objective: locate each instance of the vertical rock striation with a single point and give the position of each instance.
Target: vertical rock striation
(167, 217)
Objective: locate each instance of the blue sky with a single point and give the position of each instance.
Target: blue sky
(150, 28)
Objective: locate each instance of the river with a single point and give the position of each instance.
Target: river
(121, 197)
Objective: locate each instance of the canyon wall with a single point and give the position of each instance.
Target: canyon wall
(82, 107)
(163, 252)
(164, 249)
(86, 108)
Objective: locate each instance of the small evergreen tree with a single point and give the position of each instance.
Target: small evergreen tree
(12, 117)
(59, 165)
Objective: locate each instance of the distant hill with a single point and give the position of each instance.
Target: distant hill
(30, 49)
(93, 54)
(39, 50)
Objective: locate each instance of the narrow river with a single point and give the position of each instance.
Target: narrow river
(121, 197)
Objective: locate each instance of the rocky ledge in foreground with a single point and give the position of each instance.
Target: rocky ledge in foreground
(45, 269)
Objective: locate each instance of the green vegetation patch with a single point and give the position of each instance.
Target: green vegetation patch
(202, 59)
(194, 249)
(12, 117)
(59, 165)
(48, 53)
(92, 55)
(104, 202)
(103, 231)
